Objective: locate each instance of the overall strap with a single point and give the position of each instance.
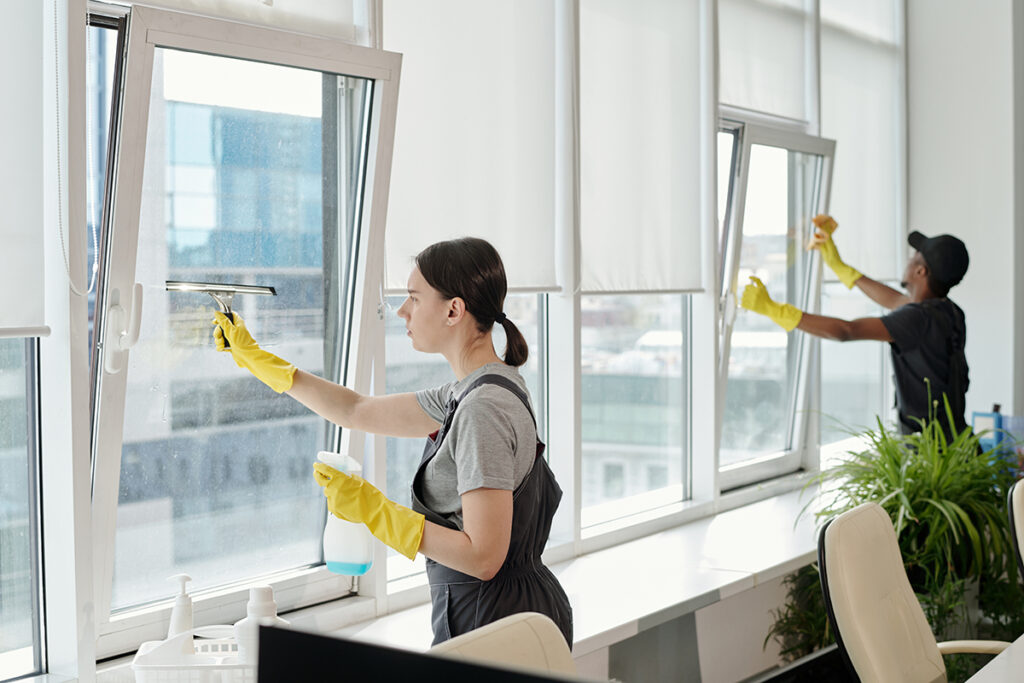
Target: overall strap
(501, 381)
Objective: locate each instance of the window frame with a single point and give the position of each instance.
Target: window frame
(149, 28)
(802, 452)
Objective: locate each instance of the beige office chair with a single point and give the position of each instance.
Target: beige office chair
(523, 641)
(879, 624)
(1015, 507)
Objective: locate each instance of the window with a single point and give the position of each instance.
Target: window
(105, 41)
(635, 367)
(781, 182)
(20, 596)
(235, 184)
(853, 389)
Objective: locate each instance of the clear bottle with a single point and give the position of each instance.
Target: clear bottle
(348, 547)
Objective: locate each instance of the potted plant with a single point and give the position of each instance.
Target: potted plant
(947, 503)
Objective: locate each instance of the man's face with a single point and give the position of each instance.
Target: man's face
(915, 272)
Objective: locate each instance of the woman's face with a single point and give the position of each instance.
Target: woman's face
(425, 314)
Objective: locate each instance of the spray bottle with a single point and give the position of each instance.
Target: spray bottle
(348, 547)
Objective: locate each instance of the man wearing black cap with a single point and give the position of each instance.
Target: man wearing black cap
(925, 330)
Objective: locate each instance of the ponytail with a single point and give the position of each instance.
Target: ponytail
(516, 350)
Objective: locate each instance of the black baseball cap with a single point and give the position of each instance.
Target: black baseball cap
(945, 255)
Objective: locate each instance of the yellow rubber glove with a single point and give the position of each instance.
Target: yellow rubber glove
(275, 372)
(756, 299)
(356, 500)
(822, 241)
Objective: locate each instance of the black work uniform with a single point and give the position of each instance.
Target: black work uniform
(462, 602)
(928, 361)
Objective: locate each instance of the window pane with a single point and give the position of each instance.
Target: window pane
(726, 175)
(852, 379)
(635, 366)
(19, 599)
(411, 370)
(99, 86)
(782, 193)
(241, 186)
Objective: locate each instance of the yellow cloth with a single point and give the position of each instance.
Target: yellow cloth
(756, 299)
(275, 372)
(356, 500)
(822, 241)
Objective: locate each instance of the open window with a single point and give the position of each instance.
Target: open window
(245, 156)
(777, 182)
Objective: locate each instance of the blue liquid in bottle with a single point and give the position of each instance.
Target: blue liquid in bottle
(349, 568)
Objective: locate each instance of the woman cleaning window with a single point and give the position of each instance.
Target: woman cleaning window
(483, 496)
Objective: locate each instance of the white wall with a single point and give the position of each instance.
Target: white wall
(962, 163)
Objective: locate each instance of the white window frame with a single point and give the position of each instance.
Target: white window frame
(149, 28)
(802, 452)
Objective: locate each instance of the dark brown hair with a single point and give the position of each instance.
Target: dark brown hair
(471, 269)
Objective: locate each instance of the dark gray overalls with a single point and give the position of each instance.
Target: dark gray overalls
(462, 602)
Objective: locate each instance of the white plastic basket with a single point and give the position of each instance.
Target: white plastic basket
(215, 660)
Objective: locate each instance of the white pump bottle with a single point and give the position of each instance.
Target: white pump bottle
(181, 612)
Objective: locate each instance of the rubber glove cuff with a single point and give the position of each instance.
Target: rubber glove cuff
(275, 372)
(756, 299)
(356, 500)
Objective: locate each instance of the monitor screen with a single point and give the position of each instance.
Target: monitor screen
(286, 655)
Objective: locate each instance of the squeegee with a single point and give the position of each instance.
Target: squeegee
(223, 294)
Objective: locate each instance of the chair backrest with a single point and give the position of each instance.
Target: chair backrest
(879, 624)
(1015, 507)
(525, 641)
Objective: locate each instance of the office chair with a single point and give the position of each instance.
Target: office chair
(525, 641)
(879, 624)
(1015, 507)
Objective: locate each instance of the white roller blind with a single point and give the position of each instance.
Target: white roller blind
(474, 140)
(334, 18)
(640, 128)
(763, 55)
(21, 167)
(861, 81)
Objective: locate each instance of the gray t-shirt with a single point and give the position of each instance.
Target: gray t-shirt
(491, 444)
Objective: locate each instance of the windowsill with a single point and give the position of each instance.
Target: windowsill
(665, 575)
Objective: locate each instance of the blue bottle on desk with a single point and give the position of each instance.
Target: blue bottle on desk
(348, 547)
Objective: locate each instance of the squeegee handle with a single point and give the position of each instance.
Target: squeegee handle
(231, 317)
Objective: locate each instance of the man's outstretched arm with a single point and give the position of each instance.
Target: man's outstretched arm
(844, 330)
(882, 294)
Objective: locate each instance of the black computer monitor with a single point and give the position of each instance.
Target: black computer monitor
(294, 656)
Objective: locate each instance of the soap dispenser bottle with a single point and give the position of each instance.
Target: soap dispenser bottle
(181, 613)
(260, 610)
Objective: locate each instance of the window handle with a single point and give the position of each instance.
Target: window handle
(126, 328)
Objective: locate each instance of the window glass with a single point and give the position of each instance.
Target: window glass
(726, 187)
(19, 570)
(102, 43)
(412, 370)
(852, 374)
(782, 193)
(635, 377)
(242, 185)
